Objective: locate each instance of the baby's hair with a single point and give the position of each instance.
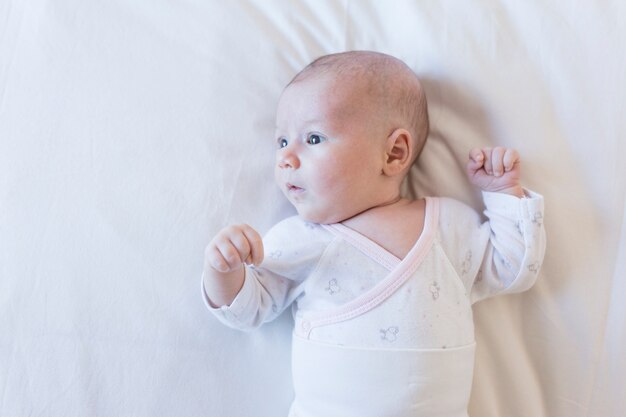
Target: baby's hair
(389, 79)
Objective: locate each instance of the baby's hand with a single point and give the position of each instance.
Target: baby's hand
(496, 170)
(232, 247)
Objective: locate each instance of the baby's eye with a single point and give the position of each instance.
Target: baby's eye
(315, 139)
(282, 142)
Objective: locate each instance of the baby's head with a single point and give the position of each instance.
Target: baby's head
(380, 86)
(348, 126)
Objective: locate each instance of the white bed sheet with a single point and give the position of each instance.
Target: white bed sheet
(130, 132)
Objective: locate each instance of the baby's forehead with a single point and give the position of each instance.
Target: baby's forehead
(335, 98)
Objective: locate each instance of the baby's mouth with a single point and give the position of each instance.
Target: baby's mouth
(294, 188)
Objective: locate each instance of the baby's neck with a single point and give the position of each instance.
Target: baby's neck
(395, 225)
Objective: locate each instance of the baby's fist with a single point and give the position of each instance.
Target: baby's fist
(496, 170)
(232, 247)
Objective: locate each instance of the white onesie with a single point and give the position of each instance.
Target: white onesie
(376, 336)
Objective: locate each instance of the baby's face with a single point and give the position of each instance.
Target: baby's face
(330, 150)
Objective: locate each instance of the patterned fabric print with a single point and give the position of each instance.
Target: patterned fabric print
(328, 289)
(422, 314)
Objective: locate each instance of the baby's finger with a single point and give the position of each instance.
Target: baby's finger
(488, 167)
(230, 254)
(216, 260)
(497, 165)
(476, 155)
(511, 158)
(241, 244)
(256, 245)
(475, 162)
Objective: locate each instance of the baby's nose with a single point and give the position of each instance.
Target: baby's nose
(288, 160)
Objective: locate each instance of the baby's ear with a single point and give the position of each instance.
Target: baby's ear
(398, 152)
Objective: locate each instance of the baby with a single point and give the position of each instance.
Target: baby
(381, 286)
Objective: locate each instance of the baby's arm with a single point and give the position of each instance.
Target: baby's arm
(242, 293)
(495, 170)
(504, 254)
(500, 255)
(224, 260)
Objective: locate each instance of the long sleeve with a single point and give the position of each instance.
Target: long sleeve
(501, 255)
(292, 250)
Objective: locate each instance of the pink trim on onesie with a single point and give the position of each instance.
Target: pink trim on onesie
(401, 270)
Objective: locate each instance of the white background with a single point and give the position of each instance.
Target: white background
(131, 131)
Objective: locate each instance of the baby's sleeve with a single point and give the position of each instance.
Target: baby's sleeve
(503, 254)
(292, 250)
